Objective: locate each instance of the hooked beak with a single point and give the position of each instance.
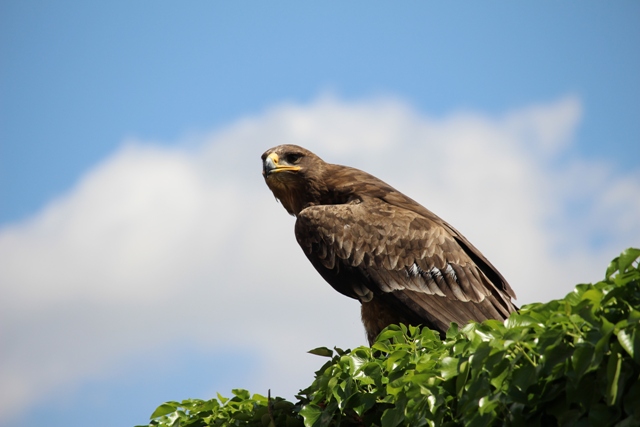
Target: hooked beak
(272, 164)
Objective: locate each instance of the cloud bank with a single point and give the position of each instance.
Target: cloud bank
(157, 245)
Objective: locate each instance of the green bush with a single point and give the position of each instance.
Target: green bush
(569, 362)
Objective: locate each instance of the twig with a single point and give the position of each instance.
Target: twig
(269, 408)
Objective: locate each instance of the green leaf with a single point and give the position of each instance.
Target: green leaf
(523, 376)
(321, 351)
(449, 367)
(392, 417)
(554, 358)
(613, 267)
(629, 339)
(453, 330)
(480, 420)
(479, 355)
(461, 381)
(363, 402)
(164, 409)
(241, 393)
(310, 414)
(340, 351)
(499, 373)
(581, 359)
(381, 346)
(391, 332)
(260, 398)
(517, 320)
(613, 377)
(627, 258)
(486, 405)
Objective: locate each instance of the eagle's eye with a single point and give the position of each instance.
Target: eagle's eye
(293, 158)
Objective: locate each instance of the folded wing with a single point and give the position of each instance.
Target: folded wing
(422, 268)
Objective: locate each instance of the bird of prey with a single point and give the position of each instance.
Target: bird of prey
(374, 244)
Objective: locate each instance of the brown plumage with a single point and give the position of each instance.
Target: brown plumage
(372, 243)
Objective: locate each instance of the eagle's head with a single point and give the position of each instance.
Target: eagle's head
(294, 175)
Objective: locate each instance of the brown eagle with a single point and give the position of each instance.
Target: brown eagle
(372, 243)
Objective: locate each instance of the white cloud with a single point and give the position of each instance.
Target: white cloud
(193, 231)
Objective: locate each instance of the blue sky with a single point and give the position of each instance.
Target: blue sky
(92, 94)
(78, 77)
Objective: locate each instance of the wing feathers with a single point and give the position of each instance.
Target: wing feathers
(347, 246)
(402, 257)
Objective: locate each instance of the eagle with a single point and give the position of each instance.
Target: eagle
(372, 243)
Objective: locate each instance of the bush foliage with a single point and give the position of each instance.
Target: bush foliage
(573, 361)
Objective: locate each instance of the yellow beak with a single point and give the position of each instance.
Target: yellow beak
(272, 164)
